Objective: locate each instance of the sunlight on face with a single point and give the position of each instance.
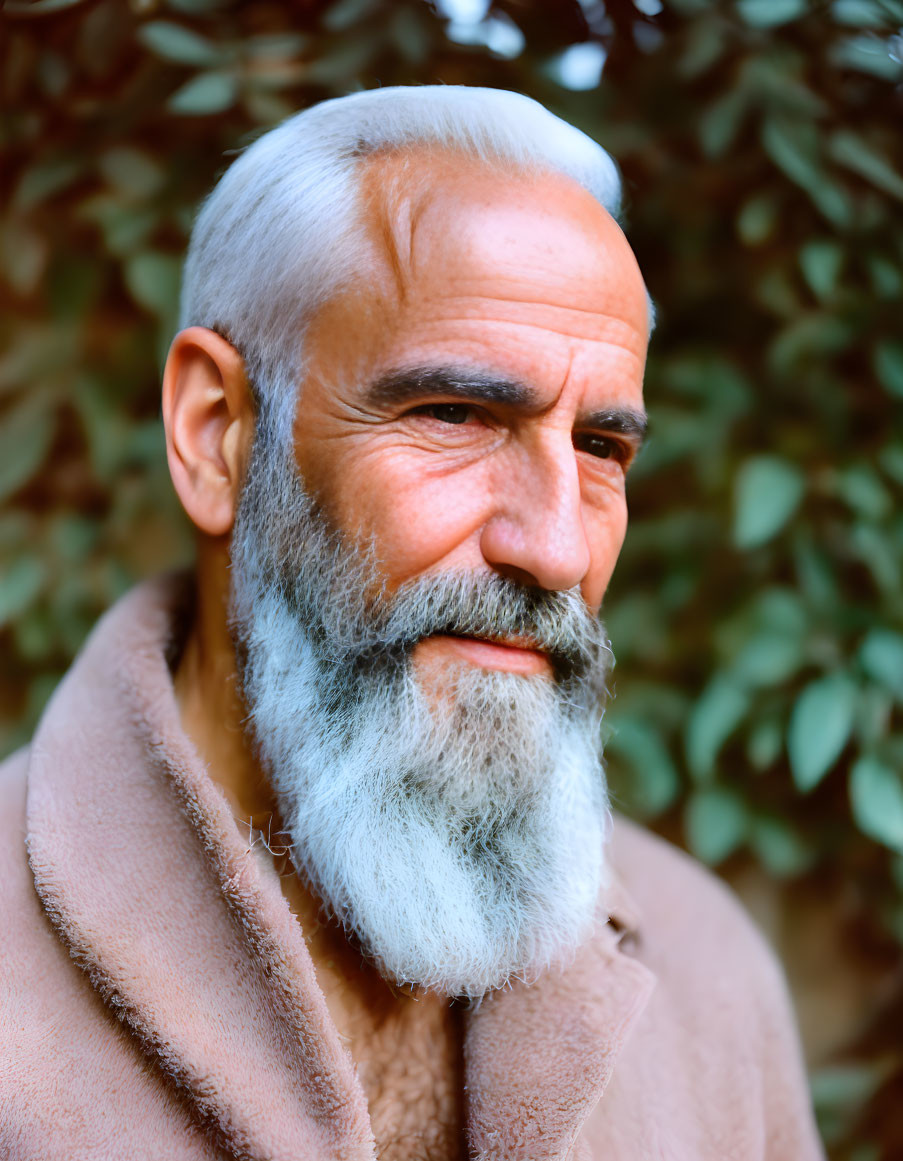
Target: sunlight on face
(417, 622)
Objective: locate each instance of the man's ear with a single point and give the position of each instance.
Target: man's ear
(208, 414)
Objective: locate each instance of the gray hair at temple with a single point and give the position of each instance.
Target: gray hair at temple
(281, 233)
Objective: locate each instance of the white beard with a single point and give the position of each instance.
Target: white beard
(461, 846)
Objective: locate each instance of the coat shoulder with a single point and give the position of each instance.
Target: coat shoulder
(32, 961)
(691, 923)
(721, 1012)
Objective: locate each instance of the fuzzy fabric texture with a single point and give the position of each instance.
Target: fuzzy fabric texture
(157, 999)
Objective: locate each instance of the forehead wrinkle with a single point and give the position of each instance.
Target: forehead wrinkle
(398, 190)
(625, 340)
(634, 345)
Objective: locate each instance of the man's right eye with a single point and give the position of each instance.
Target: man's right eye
(456, 413)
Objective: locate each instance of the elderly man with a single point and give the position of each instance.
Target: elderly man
(319, 861)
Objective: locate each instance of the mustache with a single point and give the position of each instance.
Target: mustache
(337, 590)
(490, 607)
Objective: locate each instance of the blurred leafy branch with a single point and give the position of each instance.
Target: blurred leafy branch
(757, 613)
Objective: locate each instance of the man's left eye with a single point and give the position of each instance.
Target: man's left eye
(603, 447)
(445, 412)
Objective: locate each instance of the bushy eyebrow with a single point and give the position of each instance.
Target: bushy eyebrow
(620, 420)
(411, 384)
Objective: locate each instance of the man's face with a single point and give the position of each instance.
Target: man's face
(415, 588)
(474, 403)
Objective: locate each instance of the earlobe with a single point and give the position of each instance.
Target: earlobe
(209, 419)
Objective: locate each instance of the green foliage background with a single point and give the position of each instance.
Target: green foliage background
(757, 614)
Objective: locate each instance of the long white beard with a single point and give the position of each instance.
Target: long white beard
(462, 845)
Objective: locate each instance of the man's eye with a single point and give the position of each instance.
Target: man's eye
(603, 447)
(445, 412)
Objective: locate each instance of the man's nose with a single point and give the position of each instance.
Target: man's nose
(536, 533)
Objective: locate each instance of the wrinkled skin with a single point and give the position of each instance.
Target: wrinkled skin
(525, 282)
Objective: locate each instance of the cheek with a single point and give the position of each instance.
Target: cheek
(418, 522)
(605, 531)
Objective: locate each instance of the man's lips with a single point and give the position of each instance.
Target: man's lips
(509, 654)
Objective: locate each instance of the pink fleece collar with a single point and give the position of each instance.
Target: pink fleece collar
(142, 870)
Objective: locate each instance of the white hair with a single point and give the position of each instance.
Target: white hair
(460, 835)
(281, 233)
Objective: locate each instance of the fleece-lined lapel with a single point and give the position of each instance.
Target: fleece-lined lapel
(538, 1058)
(188, 940)
(141, 868)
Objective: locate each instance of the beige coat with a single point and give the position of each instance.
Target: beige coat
(157, 999)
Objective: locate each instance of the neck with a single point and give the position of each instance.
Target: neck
(210, 702)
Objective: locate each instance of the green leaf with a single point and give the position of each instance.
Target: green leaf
(766, 739)
(781, 610)
(153, 281)
(862, 489)
(207, 93)
(73, 537)
(343, 15)
(757, 220)
(810, 338)
(43, 179)
(859, 13)
(887, 359)
(821, 262)
(768, 491)
(125, 227)
(794, 148)
(876, 796)
(276, 46)
(714, 717)
(266, 108)
(720, 123)
(820, 727)
(25, 255)
(773, 82)
(132, 171)
(175, 43)
(849, 149)
(874, 707)
(704, 45)
(20, 584)
(346, 58)
(881, 656)
(843, 1089)
(891, 460)
(768, 659)
(690, 7)
(715, 822)
(15, 528)
(880, 555)
(779, 847)
(887, 278)
(35, 634)
(770, 13)
(654, 782)
(25, 436)
(197, 7)
(867, 54)
(776, 291)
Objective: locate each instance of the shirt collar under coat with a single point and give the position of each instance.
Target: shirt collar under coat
(142, 870)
